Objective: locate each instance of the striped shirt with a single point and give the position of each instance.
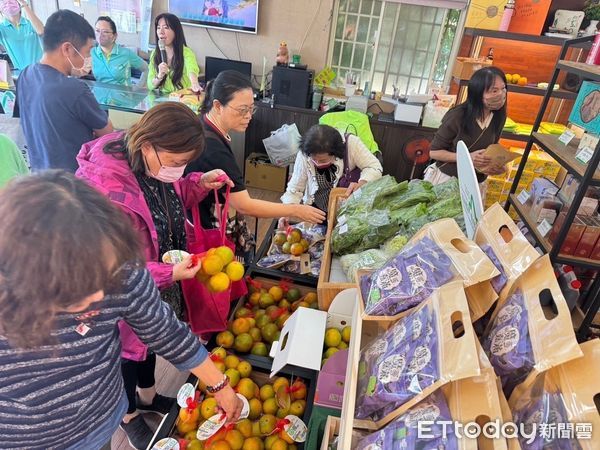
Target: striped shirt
(52, 397)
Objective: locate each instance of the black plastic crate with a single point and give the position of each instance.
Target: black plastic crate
(262, 252)
(168, 424)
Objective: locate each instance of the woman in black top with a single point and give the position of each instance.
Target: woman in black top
(229, 105)
(478, 122)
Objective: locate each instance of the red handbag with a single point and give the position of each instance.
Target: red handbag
(208, 311)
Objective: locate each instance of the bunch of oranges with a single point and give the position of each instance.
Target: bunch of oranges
(291, 242)
(218, 269)
(516, 79)
(269, 403)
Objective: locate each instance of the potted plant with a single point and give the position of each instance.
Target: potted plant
(592, 13)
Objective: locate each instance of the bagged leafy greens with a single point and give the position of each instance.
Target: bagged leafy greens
(369, 259)
(393, 245)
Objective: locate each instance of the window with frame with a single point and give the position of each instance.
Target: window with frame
(390, 44)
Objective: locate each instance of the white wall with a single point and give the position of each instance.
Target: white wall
(279, 20)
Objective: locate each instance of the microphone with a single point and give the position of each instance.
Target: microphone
(163, 51)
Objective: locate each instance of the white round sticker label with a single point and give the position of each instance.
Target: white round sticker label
(245, 407)
(186, 391)
(211, 426)
(507, 313)
(504, 340)
(166, 444)
(427, 412)
(296, 429)
(388, 278)
(174, 256)
(391, 368)
(421, 358)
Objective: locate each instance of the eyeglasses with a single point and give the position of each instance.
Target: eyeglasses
(104, 32)
(244, 111)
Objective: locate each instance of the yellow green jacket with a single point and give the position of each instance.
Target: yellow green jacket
(190, 66)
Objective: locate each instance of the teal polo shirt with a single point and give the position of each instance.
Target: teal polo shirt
(22, 43)
(116, 69)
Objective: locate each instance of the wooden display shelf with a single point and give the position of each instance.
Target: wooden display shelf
(514, 137)
(582, 69)
(521, 37)
(564, 154)
(531, 90)
(524, 214)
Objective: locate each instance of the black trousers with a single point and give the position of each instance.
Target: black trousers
(137, 374)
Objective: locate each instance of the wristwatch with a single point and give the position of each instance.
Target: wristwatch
(217, 387)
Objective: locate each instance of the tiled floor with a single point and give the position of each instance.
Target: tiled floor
(168, 378)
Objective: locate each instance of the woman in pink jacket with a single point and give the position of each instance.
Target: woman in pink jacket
(141, 171)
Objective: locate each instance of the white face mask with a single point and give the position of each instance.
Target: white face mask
(84, 69)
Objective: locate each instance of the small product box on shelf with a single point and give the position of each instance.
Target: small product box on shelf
(465, 67)
(589, 238)
(595, 255)
(573, 235)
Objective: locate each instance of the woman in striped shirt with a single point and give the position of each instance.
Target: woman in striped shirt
(71, 268)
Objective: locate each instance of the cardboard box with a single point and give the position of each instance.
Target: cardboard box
(330, 384)
(465, 67)
(261, 174)
(589, 237)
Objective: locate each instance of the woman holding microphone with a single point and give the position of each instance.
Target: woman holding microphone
(173, 65)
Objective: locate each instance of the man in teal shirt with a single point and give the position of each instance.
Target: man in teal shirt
(111, 62)
(20, 36)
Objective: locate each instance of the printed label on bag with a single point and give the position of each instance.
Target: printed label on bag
(388, 278)
(344, 228)
(417, 277)
(505, 340)
(186, 391)
(342, 219)
(174, 256)
(304, 263)
(166, 444)
(523, 197)
(421, 358)
(544, 227)
(417, 327)
(378, 348)
(508, 313)
(391, 368)
(211, 426)
(245, 407)
(296, 429)
(428, 412)
(399, 334)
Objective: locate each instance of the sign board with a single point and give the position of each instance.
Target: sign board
(470, 194)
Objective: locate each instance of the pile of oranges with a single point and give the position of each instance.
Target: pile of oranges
(269, 404)
(516, 79)
(218, 269)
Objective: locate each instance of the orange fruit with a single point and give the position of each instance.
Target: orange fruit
(225, 339)
(235, 271)
(305, 244)
(286, 248)
(219, 282)
(254, 298)
(186, 427)
(220, 445)
(295, 236)
(266, 300)
(269, 441)
(231, 361)
(243, 343)
(333, 337)
(522, 81)
(276, 292)
(235, 439)
(293, 295)
(220, 352)
(285, 304)
(267, 392)
(346, 333)
(239, 326)
(262, 320)
(212, 265)
(296, 249)
(243, 312)
(253, 443)
(270, 405)
(234, 377)
(267, 423)
(225, 253)
(259, 349)
(246, 388)
(279, 239)
(190, 435)
(256, 429)
(286, 437)
(195, 444)
(244, 368)
(256, 409)
(244, 426)
(281, 320)
(279, 444)
(208, 408)
(279, 382)
(269, 332)
(297, 407)
(282, 413)
(255, 333)
(298, 390)
(187, 416)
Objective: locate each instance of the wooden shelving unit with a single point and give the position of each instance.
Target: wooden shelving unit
(587, 174)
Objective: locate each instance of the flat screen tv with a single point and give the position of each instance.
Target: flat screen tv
(214, 66)
(232, 15)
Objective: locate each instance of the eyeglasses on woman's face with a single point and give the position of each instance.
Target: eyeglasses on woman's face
(243, 110)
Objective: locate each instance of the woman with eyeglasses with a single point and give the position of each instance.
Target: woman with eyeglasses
(478, 122)
(229, 105)
(180, 70)
(111, 62)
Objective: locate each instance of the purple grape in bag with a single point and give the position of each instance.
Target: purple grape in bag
(398, 366)
(403, 433)
(407, 280)
(508, 345)
(499, 281)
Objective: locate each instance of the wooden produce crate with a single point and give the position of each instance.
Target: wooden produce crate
(260, 375)
(332, 429)
(326, 289)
